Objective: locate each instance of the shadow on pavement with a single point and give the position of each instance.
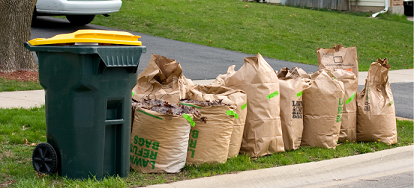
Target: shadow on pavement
(44, 25)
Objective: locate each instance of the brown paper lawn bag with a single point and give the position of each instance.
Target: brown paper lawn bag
(291, 108)
(240, 101)
(322, 111)
(376, 110)
(159, 141)
(210, 138)
(263, 132)
(338, 57)
(349, 115)
(161, 79)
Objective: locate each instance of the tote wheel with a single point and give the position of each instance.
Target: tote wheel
(44, 159)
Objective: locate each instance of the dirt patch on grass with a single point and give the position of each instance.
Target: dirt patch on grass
(7, 180)
(23, 76)
(7, 154)
(6, 183)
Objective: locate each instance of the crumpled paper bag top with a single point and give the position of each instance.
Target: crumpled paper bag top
(162, 79)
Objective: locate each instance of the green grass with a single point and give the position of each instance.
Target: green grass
(386, 16)
(20, 124)
(286, 33)
(12, 85)
(16, 166)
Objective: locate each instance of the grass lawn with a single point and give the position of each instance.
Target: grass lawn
(12, 85)
(16, 168)
(285, 33)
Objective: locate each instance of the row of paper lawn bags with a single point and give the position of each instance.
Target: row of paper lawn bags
(256, 111)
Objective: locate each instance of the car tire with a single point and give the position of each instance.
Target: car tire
(80, 19)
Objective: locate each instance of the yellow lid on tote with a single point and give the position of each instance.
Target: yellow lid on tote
(87, 36)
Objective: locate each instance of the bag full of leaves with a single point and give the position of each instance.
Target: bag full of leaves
(376, 108)
(291, 112)
(263, 131)
(322, 110)
(210, 137)
(238, 98)
(349, 115)
(159, 137)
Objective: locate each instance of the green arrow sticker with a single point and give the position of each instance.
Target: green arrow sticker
(150, 114)
(244, 106)
(232, 113)
(272, 95)
(299, 94)
(189, 119)
(190, 105)
(350, 98)
(133, 93)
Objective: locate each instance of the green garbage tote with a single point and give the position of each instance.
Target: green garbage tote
(88, 108)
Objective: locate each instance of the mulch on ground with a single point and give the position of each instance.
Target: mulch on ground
(23, 76)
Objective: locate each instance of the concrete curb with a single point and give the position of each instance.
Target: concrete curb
(326, 173)
(395, 76)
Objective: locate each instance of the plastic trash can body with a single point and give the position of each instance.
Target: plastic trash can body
(88, 106)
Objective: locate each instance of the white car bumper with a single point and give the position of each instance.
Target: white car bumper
(77, 7)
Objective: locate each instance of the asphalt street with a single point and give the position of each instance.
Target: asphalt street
(404, 179)
(203, 62)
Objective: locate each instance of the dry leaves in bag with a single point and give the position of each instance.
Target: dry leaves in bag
(159, 137)
(237, 98)
(210, 137)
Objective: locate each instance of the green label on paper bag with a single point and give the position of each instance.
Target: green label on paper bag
(150, 114)
(232, 113)
(391, 102)
(190, 105)
(272, 95)
(143, 152)
(244, 106)
(189, 119)
(299, 94)
(192, 142)
(133, 93)
(350, 98)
